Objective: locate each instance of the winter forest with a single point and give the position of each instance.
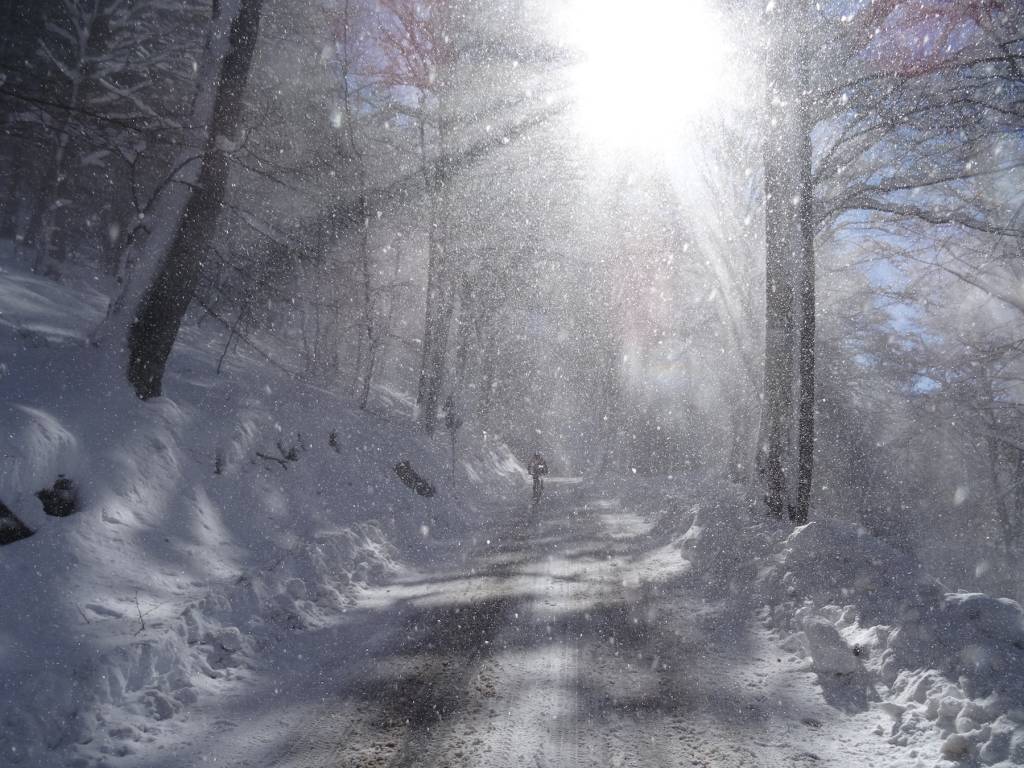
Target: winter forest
(511, 382)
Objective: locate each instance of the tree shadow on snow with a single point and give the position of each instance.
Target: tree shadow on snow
(413, 660)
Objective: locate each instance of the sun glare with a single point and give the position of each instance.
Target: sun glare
(647, 68)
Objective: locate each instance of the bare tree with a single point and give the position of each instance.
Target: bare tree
(783, 242)
(158, 318)
(104, 84)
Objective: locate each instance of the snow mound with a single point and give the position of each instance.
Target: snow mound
(973, 638)
(952, 662)
(723, 546)
(839, 562)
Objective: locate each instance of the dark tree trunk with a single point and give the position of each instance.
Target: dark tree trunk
(1017, 526)
(441, 267)
(163, 306)
(440, 305)
(435, 354)
(805, 429)
(488, 372)
(740, 440)
(10, 204)
(369, 340)
(1002, 509)
(781, 247)
(610, 409)
(464, 326)
(368, 371)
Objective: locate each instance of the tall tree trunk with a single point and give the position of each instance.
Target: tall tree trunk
(992, 424)
(158, 317)
(89, 38)
(10, 204)
(464, 327)
(1002, 509)
(366, 357)
(805, 430)
(39, 233)
(740, 440)
(368, 371)
(440, 294)
(1017, 521)
(488, 373)
(610, 408)
(440, 263)
(435, 353)
(782, 245)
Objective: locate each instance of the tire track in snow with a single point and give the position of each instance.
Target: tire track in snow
(406, 699)
(561, 743)
(564, 646)
(537, 715)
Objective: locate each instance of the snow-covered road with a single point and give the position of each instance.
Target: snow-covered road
(576, 639)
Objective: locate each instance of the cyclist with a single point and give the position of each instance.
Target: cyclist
(537, 469)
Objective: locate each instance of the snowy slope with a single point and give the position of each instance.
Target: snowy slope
(191, 554)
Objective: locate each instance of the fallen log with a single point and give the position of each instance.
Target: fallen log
(412, 480)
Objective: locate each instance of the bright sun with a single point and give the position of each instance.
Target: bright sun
(648, 67)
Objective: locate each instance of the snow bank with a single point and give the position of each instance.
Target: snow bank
(823, 560)
(213, 523)
(869, 618)
(953, 661)
(720, 541)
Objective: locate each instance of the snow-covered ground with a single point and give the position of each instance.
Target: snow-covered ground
(944, 670)
(248, 583)
(578, 637)
(214, 524)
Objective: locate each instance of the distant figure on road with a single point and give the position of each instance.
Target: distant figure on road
(537, 469)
